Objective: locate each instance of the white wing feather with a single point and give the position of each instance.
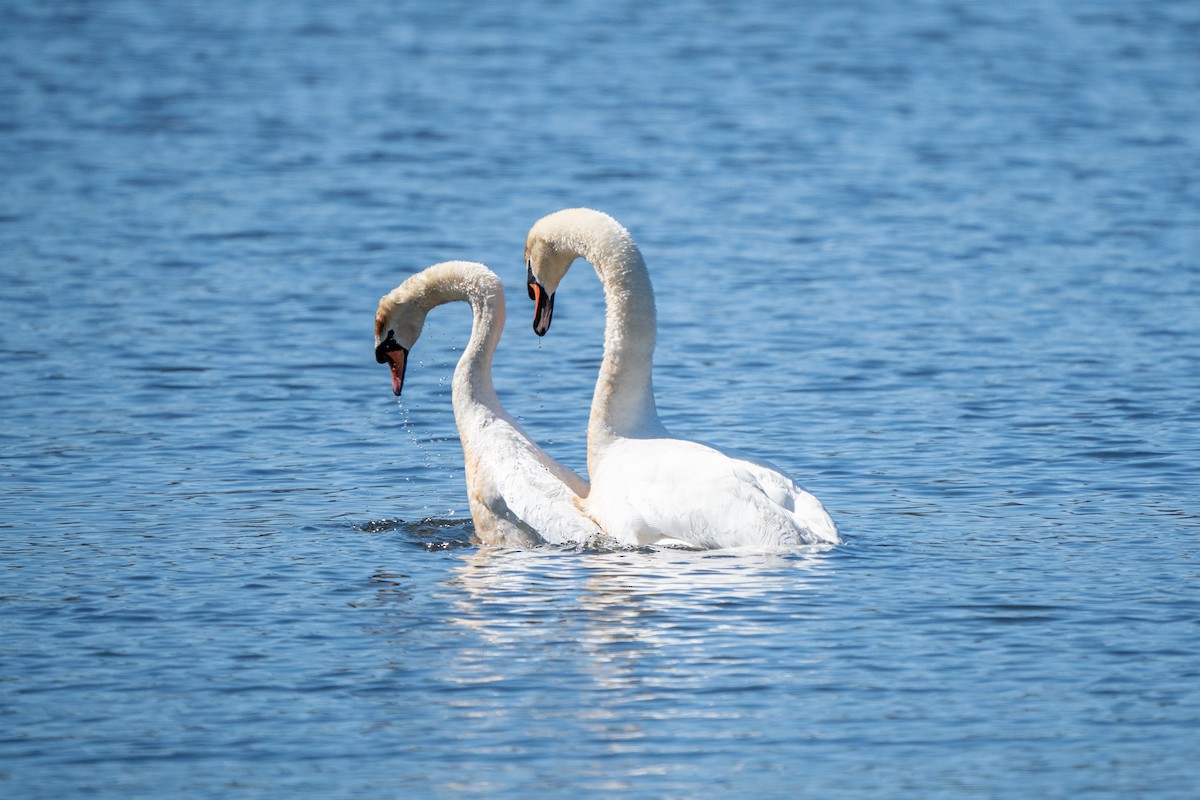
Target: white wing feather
(649, 489)
(527, 495)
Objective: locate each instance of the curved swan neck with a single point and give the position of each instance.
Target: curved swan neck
(473, 375)
(623, 403)
(479, 287)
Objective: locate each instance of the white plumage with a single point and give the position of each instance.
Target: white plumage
(519, 495)
(646, 484)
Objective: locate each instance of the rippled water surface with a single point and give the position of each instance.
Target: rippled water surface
(940, 261)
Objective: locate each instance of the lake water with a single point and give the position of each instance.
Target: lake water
(940, 261)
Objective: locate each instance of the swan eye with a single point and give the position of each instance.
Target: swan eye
(530, 282)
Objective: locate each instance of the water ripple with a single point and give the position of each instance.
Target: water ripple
(939, 263)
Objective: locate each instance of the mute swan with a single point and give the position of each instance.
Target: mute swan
(519, 495)
(646, 484)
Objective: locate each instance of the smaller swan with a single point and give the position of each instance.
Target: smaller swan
(519, 495)
(646, 484)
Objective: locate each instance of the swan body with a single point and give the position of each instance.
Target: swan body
(519, 496)
(646, 484)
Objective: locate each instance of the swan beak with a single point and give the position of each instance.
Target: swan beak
(543, 305)
(395, 356)
(397, 360)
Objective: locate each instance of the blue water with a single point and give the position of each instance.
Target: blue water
(940, 261)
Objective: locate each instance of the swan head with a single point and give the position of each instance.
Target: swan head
(557, 239)
(545, 265)
(402, 311)
(398, 324)
(546, 262)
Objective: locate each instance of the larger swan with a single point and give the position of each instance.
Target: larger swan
(647, 485)
(519, 495)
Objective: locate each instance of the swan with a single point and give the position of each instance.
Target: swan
(648, 485)
(519, 496)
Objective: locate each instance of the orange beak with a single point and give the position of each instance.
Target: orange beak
(392, 353)
(397, 360)
(543, 304)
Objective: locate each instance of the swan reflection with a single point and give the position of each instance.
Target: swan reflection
(629, 618)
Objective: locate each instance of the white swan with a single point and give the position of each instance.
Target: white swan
(647, 485)
(519, 495)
